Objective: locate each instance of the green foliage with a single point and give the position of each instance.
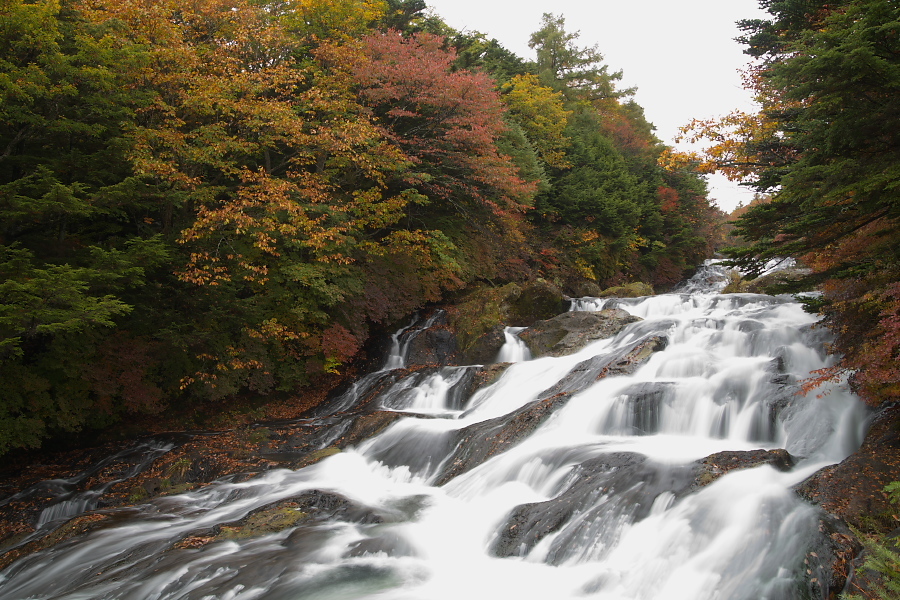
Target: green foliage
(830, 75)
(577, 72)
(222, 197)
(883, 558)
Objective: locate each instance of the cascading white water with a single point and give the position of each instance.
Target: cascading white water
(596, 502)
(513, 349)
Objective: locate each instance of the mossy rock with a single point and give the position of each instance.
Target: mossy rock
(537, 301)
(264, 522)
(585, 289)
(629, 290)
(736, 284)
(569, 332)
(479, 313)
(778, 282)
(775, 283)
(479, 319)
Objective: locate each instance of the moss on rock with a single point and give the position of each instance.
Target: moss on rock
(479, 319)
(629, 290)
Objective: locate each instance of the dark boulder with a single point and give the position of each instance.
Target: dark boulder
(537, 300)
(570, 332)
(485, 348)
(479, 442)
(434, 346)
(853, 490)
(602, 494)
(716, 465)
(851, 496)
(479, 318)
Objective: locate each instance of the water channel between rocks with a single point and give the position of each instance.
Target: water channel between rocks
(553, 482)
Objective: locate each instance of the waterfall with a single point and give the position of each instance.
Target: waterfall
(513, 349)
(483, 496)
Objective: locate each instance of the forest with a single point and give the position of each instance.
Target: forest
(205, 199)
(823, 151)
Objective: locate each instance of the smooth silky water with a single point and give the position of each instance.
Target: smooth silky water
(618, 455)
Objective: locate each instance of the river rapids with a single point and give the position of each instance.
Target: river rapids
(599, 501)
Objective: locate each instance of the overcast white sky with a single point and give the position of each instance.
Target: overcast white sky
(681, 54)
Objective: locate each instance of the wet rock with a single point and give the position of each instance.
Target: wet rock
(601, 494)
(484, 349)
(853, 490)
(367, 426)
(308, 443)
(479, 318)
(851, 493)
(569, 332)
(79, 525)
(488, 375)
(716, 465)
(830, 559)
(388, 543)
(310, 507)
(477, 443)
(623, 362)
(433, 346)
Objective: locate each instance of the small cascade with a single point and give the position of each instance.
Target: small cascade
(513, 349)
(710, 277)
(588, 304)
(442, 391)
(396, 359)
(558, 477)
(70, 500)
(401, 340)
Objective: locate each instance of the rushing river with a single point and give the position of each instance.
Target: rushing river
(599, 501)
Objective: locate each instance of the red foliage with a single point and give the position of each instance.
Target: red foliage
(629, 140)
(447, 122)
(339, 344)
(878, 360)
(120, 372)
(864, 309)
(668, 198)
(667, 272)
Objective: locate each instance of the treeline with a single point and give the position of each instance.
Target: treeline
(204, 198)
(826, 145)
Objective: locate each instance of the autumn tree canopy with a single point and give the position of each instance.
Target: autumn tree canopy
(207, 199)
(825, 146)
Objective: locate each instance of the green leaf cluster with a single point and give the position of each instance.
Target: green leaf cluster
(222, 198)
(830, 77)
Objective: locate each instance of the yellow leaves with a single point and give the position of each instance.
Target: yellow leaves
(636, 242)
(540, 112)
(729, 143)
(585, 269)
(673, 160)
(335, 19)
(234, 359)
(740, 144)
(204, 269)
(273, 330)
(589, 236)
